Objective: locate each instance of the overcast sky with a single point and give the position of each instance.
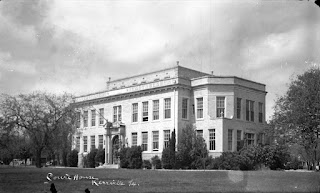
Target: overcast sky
(75, 45)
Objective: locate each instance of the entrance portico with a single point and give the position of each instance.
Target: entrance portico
(115, 135)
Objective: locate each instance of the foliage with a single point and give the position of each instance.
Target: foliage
(131, 157)
(91, 162)
(46, 119)
(165, 159)
(169, 153)
(100, 157)
(276, 156)
(156, 162)
(73, 158)
(192, 150)
(297, 114)
(146, 164)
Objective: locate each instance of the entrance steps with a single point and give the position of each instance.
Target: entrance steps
(109, 166)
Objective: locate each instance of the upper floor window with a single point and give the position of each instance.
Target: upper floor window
(78, 119)
(220, 106)
(117, 113)
(156, 110)
(101, 116)
(199, 108)
(260, 112)
(145, 115)
(212, 139)
(85, 118)
(249, 110)
(185, 108)
(167, 108)
(135, 112)
(93, 117)
(238, 108)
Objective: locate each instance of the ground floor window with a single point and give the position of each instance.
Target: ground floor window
(155, 140)
(212, 139)
(250, 138)
(230, 139)
(144, 145)
(166, 138)
(85, 143)
(134, 139)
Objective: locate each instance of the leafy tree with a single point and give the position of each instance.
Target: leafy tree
(91, 158)
(192, 150)
(73, 158)
(297, 114)
(46, 119)
(100, 157)
(131, 157)
(156, 162)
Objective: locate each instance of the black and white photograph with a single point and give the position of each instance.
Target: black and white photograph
(167, 96)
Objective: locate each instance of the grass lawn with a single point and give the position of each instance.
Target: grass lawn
(33, 180)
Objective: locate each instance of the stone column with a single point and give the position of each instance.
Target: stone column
(109, 150)
(106, 150)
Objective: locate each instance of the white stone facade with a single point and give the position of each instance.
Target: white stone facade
(223, 108)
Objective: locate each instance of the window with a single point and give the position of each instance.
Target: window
(199, 108)
(185, 108)
(78, 144)
(117, 113)
(93, 142)
(249, 110)
(166, 138)
(155, 135)
(145, 111)
(85, 119)
(144, 145)
(200, 133)
(239, 142)
(230, 139)
(167, 108)
(85, 143)
(250, 138)
(260, 113)
(101, 141)
(101, 116)
(212, 139)
(238, 108)
(78, 120)
(135, 112)
(156, 110)
(220, 106)
(93, 118)
(134, 139)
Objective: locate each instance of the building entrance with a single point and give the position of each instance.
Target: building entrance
(115, 149)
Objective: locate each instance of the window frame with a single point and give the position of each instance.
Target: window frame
(92, 142)
(166, 138)
(230, 139)
(220, 109)
(239, 105)
(134, 139)
(212, 139)
(184, 108)
(199, 107)
(167, 108)
(101, 116)
(85, 118)
(144, 143)
(85, 143)
(155, 110)
(155, 140)
(93, 118)
(145, 111)
(135, 113)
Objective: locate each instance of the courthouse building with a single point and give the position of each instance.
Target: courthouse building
(144, 109)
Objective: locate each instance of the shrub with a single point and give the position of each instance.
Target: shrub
(131, 157)
(91, 158)
(165, 159)
(146, 164)
(100, 156)
(276, 157)
(73, 158)
(156, 162)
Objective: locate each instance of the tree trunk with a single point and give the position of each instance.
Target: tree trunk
(38, 158)
(64, 158)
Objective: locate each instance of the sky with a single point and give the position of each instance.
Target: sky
(76, 45)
